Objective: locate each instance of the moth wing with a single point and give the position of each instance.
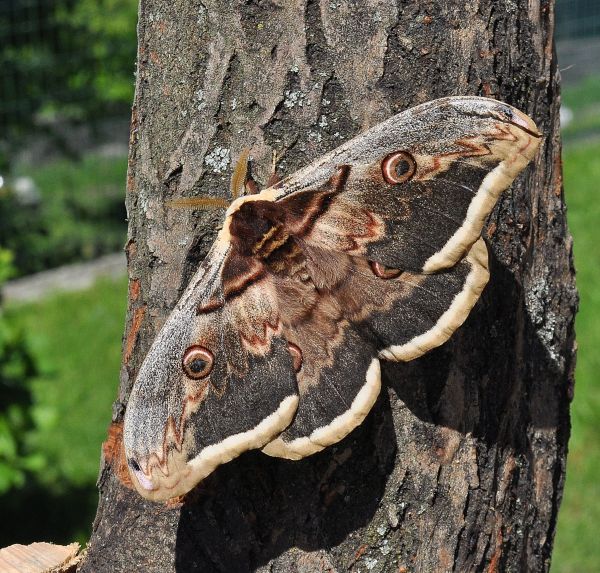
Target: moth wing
(392, 222)
(411, 194)
(178, 426)
(361, 319)
(419, 186)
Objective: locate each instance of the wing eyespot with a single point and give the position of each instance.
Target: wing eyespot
(398, 167)
(197, 362)
(384, 272)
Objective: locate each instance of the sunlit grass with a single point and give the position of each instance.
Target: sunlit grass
(583, 94)
(577, 549)
(583, 100)
(75, 338)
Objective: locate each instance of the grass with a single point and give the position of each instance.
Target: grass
(583, 94)
(583, 99)
(75, 338)
(576, 547)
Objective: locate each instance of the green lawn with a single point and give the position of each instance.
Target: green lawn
(577, 549)
(583, 99)
(75, 338)
(80, 213)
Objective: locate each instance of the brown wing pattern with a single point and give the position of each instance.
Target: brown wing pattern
(373, 251)
(351, 313)
(217, 381)
(448, 177)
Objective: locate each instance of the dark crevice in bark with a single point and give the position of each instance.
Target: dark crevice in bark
(317, 54)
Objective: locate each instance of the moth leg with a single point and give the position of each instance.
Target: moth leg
(274, 178)
(250, 186)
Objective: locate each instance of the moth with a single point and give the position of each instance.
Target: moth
(373, 251)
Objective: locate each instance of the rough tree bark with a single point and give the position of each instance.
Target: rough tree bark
(460, 467)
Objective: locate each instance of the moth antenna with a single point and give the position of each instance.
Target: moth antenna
(238, 179)
(274, 179)
(204, 203)
(274, 161)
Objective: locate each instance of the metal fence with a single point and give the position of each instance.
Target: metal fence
(59, 57)
(577, 19)
(53, 51)
(31, 51)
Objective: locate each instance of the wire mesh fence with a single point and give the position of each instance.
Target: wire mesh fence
(30, 59)
(73, 58)
(577, 19)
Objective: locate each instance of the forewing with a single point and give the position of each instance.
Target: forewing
(418, 186)
(178, 429)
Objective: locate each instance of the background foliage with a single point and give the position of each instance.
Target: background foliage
(76, 212)
(17, 368)
(65, 59)
(69, 399)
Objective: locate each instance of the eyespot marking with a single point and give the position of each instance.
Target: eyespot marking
(398, 167)
(197, 362)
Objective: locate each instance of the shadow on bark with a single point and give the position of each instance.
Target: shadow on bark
(257, 508)
(496, 389)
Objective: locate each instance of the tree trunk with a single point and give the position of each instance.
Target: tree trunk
(461, 464)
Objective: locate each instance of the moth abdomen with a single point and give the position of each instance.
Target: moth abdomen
(286, 257)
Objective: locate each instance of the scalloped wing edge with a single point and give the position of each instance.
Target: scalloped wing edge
(212, 456)
(493, 185)
(338, 428)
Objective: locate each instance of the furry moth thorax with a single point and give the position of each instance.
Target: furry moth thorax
(372, 251)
